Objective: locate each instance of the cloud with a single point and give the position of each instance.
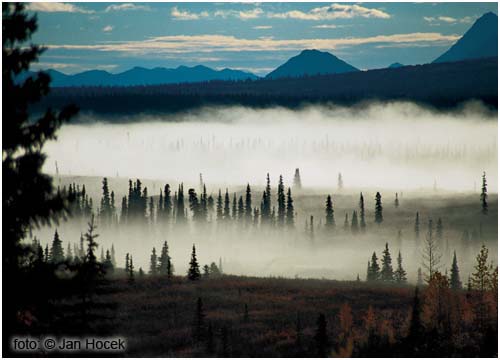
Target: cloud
(250, 14)
(68, 68)
(222, 43)
(57, 7)
(448, 19)
(333, 11)
(239, 14)
(263, 27)
(186, 15)
(328, 26)
(107, 28)
(127, 7)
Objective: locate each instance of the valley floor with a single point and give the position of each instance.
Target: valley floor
(254, 317)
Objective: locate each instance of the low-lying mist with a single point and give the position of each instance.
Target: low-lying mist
(384, 146)
(433, 160)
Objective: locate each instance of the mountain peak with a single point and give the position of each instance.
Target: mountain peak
(480, 41)
(311, 62)
(395, 65)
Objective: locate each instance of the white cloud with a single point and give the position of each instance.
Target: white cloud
(186, 15)
(71, 68)
(180, 44)
(333, 11)
(448, 19)
(263, 27)
(127, 7)
(240, 14)
(250, 14)
(328, 26)
(57, 7)
(107, 28)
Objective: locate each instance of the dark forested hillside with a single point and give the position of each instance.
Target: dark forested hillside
(441, 85)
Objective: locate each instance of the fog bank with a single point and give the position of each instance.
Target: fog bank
(396, 146)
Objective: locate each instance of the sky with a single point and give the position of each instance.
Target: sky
(254, 37)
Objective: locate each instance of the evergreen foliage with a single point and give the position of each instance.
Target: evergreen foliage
(194, 268)
(378, 208)
(330, 219)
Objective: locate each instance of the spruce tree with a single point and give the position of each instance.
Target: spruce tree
(151, 212)
(123, 214)
(153, 265)
(131, 276)
(484, 195)
(400, 273)
(362, 221)
(47, 254)
(194, 268)
(256, 215)
(127, 263)
(234, 210)
(112, 208)
(386, 274)
(108, 263)
(340, 182)
(330, 219)
(210, 205)
(248, 205)
(416, 326)
(167, 202)
(354, 222)
(378, 208)
(227, 211)
(220, 214)
(194, 205)
(206, 271)
(241, 210)
(417, 226)
(204, 203)
(159, 213)
(92, 245)
(455, 283)
(297, 182)
(481, 276)
(214, 270)
(56, 251)
(165, 262)
(179, 211)
(281, 202)
(374, 269)
(346, 222)
(321, 337)
(290, 212)
(113, 258)
(105, 212)
(396, 201)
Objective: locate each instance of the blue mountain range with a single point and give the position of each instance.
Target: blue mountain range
(143, 76)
